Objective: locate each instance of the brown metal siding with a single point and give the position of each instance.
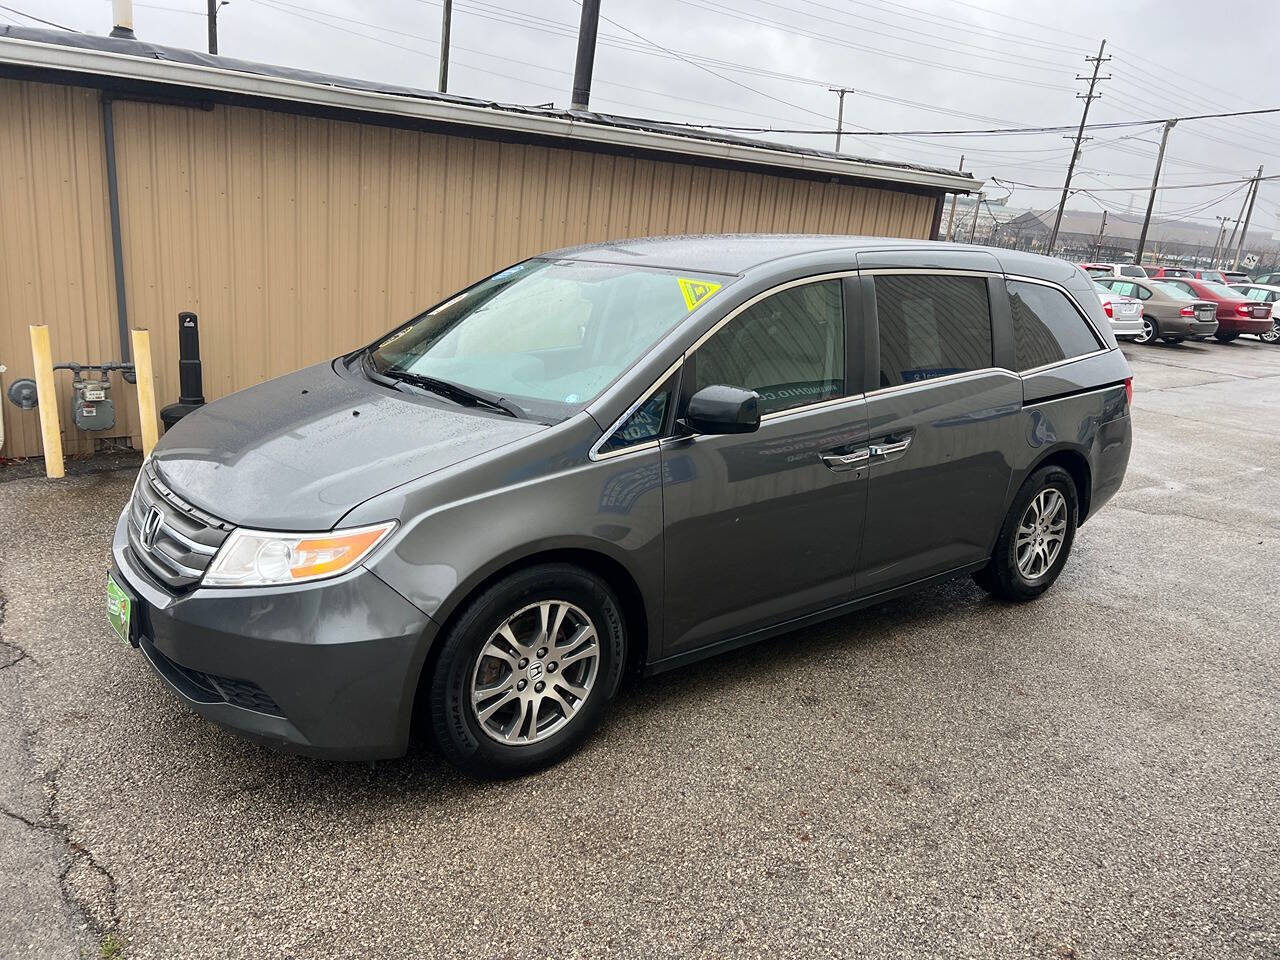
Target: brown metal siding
(296, 239)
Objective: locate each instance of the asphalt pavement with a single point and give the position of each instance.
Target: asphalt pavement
(1096, 774)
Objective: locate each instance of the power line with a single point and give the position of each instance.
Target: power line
(30, 16)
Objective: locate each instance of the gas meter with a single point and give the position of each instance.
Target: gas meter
(91, 405)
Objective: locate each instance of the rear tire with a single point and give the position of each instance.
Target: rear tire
(1225, 337)
(1272, 335)
(527, 671)
(1035, 539)
(1150, 331)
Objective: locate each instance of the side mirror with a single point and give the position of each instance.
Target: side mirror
(723, 409)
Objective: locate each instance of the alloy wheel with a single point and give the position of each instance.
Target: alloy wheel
(535, 672)
(1148, 332)
(1272, 335)
(1040, 533)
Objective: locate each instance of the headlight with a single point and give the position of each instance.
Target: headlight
(257, 558)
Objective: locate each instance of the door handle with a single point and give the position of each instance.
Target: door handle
(887, 449)
(846, 461)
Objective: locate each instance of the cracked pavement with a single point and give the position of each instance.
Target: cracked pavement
(1096, 774)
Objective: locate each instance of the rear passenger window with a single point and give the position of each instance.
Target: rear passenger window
(789, 348)
(1046, 327)
(931, 326)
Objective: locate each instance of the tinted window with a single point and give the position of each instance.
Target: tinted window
(1098, 271)
(1046, 327)
(644, 424)
(789, 348)
(1141, 292)
(1132, 272)
(931, 327)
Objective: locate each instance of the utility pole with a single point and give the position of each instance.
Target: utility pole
(1222, 232)
(1088, 98)
(1234, 227)
(1097, 246)
(213, 6)
(973, 227)
(951, 223)
(588, 26)
(1151, 200)
(1253, 197)
(445, 21)
(840, 92)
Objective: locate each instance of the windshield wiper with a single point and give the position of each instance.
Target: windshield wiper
(467, 396)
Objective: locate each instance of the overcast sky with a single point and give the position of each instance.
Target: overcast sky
(924, 65)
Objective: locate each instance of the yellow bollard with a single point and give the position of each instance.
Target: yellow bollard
(47, 399)
(146, 389)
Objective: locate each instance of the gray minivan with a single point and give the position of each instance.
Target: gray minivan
(619, 457)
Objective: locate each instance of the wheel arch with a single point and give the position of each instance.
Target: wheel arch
(1076, 464)
(609, 568)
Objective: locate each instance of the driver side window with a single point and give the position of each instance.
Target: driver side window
(789, 348)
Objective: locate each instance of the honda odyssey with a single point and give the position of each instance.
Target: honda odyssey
(620, 457)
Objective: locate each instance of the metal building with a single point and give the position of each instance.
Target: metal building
(301, 215)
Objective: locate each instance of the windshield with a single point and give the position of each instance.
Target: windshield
(1222, 290)
(546, 336)
(1212, 276)
(1098, 271)
(1103, 291)
(1172, 291)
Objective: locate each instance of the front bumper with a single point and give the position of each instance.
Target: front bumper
(328, 668)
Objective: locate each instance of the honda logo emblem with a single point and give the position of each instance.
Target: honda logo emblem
(150, 527)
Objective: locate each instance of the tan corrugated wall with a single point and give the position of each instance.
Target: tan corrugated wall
(296, 239)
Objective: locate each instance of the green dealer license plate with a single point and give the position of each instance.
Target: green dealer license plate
(119, 608)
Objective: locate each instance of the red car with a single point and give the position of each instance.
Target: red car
(1160, 273)
(1236, 313)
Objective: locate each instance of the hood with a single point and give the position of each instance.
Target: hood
(298, 452)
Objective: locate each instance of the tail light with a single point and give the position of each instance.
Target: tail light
(1107, 307)
(1187, 312)
(1128, 390)
(1244, 309)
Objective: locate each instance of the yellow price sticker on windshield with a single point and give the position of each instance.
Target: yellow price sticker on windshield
(695, 291)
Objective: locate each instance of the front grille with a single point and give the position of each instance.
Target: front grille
(182, 539)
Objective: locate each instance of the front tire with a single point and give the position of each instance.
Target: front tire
(527, 671)
(1035, 539)
(1150, 330)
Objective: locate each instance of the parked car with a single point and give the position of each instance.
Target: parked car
(1236, 313)
(1235, 276)
(1264, 293)
(1154, 272)
(1168, 312)
(1124, 313)
(1266, 278)
(626, 455)
(1213, 276)
(1113, 270)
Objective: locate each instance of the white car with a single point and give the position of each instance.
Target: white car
(1113, 270)
(1263, 293)
(1125, 313)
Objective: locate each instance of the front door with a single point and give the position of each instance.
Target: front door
(763, 527)
(941, 420)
